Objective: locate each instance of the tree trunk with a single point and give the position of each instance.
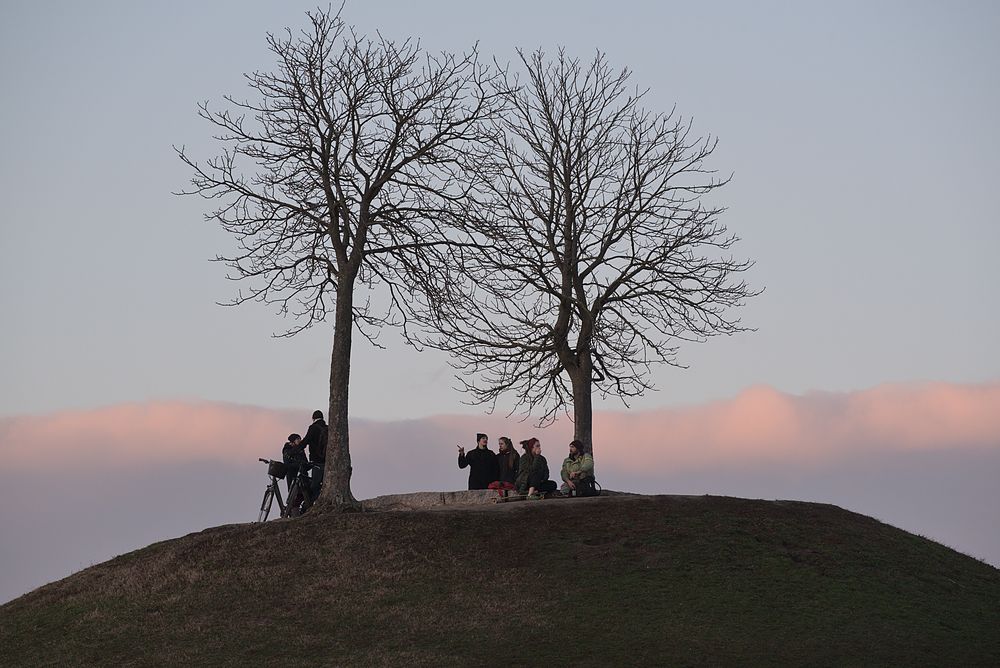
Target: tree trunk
(583, 411)
(337, 476)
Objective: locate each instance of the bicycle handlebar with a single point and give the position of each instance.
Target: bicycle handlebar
(311, 465)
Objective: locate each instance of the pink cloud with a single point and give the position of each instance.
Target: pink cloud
(146, 434)
(762, 424)
(758, 426)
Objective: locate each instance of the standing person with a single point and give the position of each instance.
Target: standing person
(507, 466)
(482, 463)
(579, 466)
(315, 440)
(538, 480)
(293, 455)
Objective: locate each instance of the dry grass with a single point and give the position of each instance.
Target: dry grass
(648, 580)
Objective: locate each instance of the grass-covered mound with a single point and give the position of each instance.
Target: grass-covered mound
(606, 581)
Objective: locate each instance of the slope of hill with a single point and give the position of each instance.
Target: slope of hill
(631, 580)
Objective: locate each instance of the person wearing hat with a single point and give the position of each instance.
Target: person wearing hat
(315, 440)
(577, 468)
(482, 463)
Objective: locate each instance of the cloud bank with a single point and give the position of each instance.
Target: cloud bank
(759, 425)
(922, 457)
(763, 425)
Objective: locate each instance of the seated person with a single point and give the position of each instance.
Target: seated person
(293, 454)
(524, 465)
(538, 478)
(578, 466)
(507, 466)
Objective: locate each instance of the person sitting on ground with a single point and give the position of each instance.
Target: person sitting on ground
(293, 455)
(507, 465)
(524, 465)
(315, 440)
(508, 461)
(482, 463)
(579, 466)
(538, 480)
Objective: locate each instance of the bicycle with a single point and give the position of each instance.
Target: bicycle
(300, 487)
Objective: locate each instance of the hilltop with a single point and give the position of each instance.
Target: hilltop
(652, 580)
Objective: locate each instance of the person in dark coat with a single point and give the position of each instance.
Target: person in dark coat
(293, 455)
(315, 440)
(538, 478)
(524, 466)
(482, 463)
(507, 461)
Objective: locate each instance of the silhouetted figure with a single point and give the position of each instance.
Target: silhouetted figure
(315, 440)
(293, 455)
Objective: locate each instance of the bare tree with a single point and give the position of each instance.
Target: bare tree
(598, 252)
(336, 180)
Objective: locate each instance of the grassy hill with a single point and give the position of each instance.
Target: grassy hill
(629, 580)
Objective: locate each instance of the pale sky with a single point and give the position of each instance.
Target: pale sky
(862, 138)
(864, 148)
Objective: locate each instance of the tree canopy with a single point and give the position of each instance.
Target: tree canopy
(336, 178)
(600, 245)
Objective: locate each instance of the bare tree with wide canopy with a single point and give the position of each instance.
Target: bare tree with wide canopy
(598, 251)
(336, 180)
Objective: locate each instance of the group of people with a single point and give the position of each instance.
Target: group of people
(505, 470)
(294, 455)
(528, 472)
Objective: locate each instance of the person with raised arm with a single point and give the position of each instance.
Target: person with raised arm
(482, 463)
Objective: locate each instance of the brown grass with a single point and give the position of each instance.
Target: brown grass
(612, 580)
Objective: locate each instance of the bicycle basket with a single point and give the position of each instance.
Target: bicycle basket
(277, 469)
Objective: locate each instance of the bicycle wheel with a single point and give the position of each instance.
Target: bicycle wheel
(291, 509)
(265, 504)
(307, 498)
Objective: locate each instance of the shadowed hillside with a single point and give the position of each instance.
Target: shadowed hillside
(605, 581)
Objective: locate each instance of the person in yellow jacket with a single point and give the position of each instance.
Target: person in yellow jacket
(578, 466)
